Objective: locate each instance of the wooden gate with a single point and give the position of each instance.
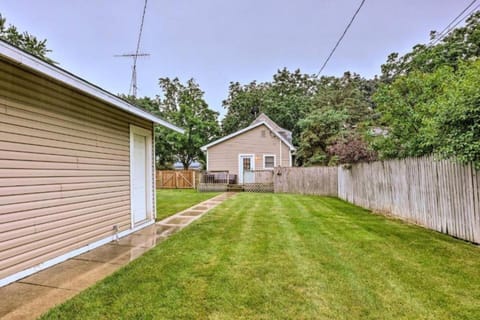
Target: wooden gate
(176, 179)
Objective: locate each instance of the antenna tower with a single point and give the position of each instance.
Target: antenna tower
(133, 82)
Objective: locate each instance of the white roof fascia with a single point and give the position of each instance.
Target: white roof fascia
(205, 147)
(25, 59)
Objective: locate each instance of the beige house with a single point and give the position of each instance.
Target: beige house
(261, 146)
(76, 165)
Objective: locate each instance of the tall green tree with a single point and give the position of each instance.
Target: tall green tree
(164, 151)
(24, 40)
(317, 132)
(240, 104)
(184, 105)
(285, 100)
(339, 117)
(408, 106)
(428, 98)
(460, 45)
(433, 113)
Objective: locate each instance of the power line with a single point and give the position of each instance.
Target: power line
(341, 37)
(453, 24)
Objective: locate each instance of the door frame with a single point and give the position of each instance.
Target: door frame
(240, 164)
(149, 175)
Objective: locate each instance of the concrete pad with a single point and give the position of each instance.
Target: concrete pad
(25, 301)
(112, 254)
(138, 240)
(150, 230)
(72, 274)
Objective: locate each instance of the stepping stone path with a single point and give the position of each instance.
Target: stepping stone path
(175, 223)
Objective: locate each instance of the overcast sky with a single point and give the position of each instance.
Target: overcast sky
(218, 41)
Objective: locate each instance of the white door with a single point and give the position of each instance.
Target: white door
(139, 179)
(246, 165)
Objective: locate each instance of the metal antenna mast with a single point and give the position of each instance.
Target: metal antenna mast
(133, 82)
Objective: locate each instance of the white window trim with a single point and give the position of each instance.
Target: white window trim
(149, 145)
(274, 161)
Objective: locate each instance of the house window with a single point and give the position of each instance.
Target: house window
(264, 134)
(268, 161)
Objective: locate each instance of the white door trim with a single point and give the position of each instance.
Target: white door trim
(149, 167)
(240, 164)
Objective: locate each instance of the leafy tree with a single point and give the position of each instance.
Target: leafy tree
(345, 102)
(407, 106)
(433, 113)
(350, 148)
(285, 100)
(240, 103)
(24, 40)
(185, 106)
(456, 125)
(290, 98)
(164, 152)
(427, 99)
(460, 45)
(350, 93)
(317, 130)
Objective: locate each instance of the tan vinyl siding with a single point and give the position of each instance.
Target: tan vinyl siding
(64, 169)
(224, 156)
(285, 157)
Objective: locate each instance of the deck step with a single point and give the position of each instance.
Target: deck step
(235, 188)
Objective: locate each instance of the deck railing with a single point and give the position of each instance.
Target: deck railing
(216, 180)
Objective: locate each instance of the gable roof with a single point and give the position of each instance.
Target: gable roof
(239, 132)
(287, 134)
(264, 117)
(27, 61)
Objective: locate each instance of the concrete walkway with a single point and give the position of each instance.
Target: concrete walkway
(32, 296)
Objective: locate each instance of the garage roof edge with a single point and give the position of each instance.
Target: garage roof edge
(22, 58)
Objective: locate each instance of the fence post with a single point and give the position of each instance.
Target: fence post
(194, 180)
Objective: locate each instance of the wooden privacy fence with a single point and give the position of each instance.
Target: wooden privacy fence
(176, 179)
(440, 195)
(320, 181)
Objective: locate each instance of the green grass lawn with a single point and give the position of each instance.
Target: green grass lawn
(171, 201)
(267, 256)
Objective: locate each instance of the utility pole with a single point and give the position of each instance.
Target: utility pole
(133, 83)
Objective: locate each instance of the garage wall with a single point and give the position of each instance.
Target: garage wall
(64, 169)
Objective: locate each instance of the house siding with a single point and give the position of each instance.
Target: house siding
(64, 169)
(224, 156)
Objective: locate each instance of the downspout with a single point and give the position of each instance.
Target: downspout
(280, 140)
